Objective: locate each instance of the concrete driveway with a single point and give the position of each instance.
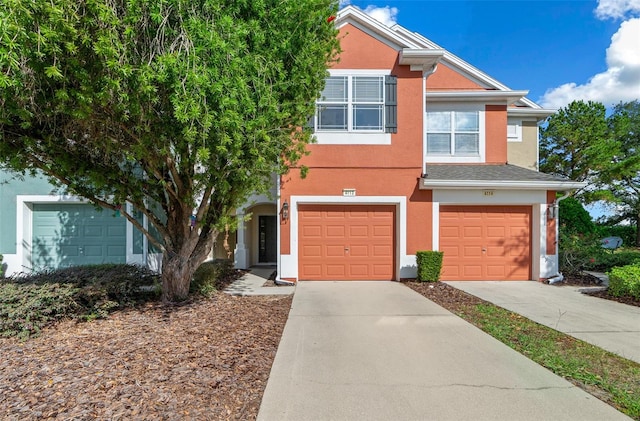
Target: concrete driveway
(607, 324)
(380, 351)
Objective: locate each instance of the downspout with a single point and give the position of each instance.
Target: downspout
(425, 75)
(555, 205)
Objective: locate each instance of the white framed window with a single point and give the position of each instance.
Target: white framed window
(453, 133)
(352, 103)
(514, 130)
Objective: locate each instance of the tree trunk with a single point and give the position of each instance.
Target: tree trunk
(178, 269)
(177, 272)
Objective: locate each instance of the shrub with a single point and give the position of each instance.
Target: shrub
(2, 268)
(607, 261)
(579, 252)
(626, 232)
(212, 276)
(29, 302)
(429, 265)
(625, 281)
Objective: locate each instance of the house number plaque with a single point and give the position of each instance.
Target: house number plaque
(349, 192)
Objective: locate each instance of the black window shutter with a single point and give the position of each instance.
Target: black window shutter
(391, 104)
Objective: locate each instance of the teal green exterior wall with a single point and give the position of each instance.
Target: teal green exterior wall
(10, 187)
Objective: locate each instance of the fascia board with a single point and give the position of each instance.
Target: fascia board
(456, 96)
(539, 113)
(426, 184)
(416, 38)
(353, 15)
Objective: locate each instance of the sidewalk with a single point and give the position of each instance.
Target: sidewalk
(380, 351)
(607, 324)
(251, 283)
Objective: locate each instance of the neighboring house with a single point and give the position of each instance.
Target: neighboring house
(416, 150)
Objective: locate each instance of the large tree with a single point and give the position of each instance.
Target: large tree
(182, 108)
(580, 142)
(574, 141)
(620, 179)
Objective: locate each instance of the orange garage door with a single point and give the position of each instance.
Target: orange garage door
(485, 243)
(354, 242)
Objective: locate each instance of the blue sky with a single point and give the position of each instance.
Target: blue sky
(558, 50)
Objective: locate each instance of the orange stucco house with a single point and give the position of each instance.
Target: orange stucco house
(416, 150)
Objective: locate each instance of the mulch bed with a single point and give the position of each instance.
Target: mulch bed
(589, 281)
(444, 295)
(455, 300)
(207, 360)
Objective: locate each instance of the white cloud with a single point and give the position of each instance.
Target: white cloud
(343, 3)
(617, 9)
(621, 80)
(386, 15)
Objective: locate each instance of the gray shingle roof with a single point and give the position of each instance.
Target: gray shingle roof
(487, 172)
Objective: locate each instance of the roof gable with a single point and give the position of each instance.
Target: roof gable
(398, 37)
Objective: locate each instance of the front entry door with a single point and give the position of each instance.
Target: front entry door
(267, 237)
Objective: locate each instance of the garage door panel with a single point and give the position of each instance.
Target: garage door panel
(359, 251)
(334, 251)
(496, 232)
(357, 241)
(472, 251)
(312, 251)
(359, 231)
(358, 270)
(336, 271)
(449, 232)
(311, 270)
(335, 231)
(471, 233)
(485, 242)
(311, 231)
(384, 231)
(382, 270)
(450, 251)
(382, 250)
(472, 270)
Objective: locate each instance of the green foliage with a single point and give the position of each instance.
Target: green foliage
(578, 252)
(574, 219)
(211, 277)
(621, 257)
(29, 302)
(2, 267)
(582, 144)
(574, 141)
(178, 107)
(625, 281)
(429, 265)
(628, 233)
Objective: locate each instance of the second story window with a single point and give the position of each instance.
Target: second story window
(352, 104)
(453, 133)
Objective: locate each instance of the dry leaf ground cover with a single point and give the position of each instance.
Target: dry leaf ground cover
(206, 360)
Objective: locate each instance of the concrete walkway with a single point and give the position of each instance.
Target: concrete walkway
(607, 324)
(380, 351)
(251, 283)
